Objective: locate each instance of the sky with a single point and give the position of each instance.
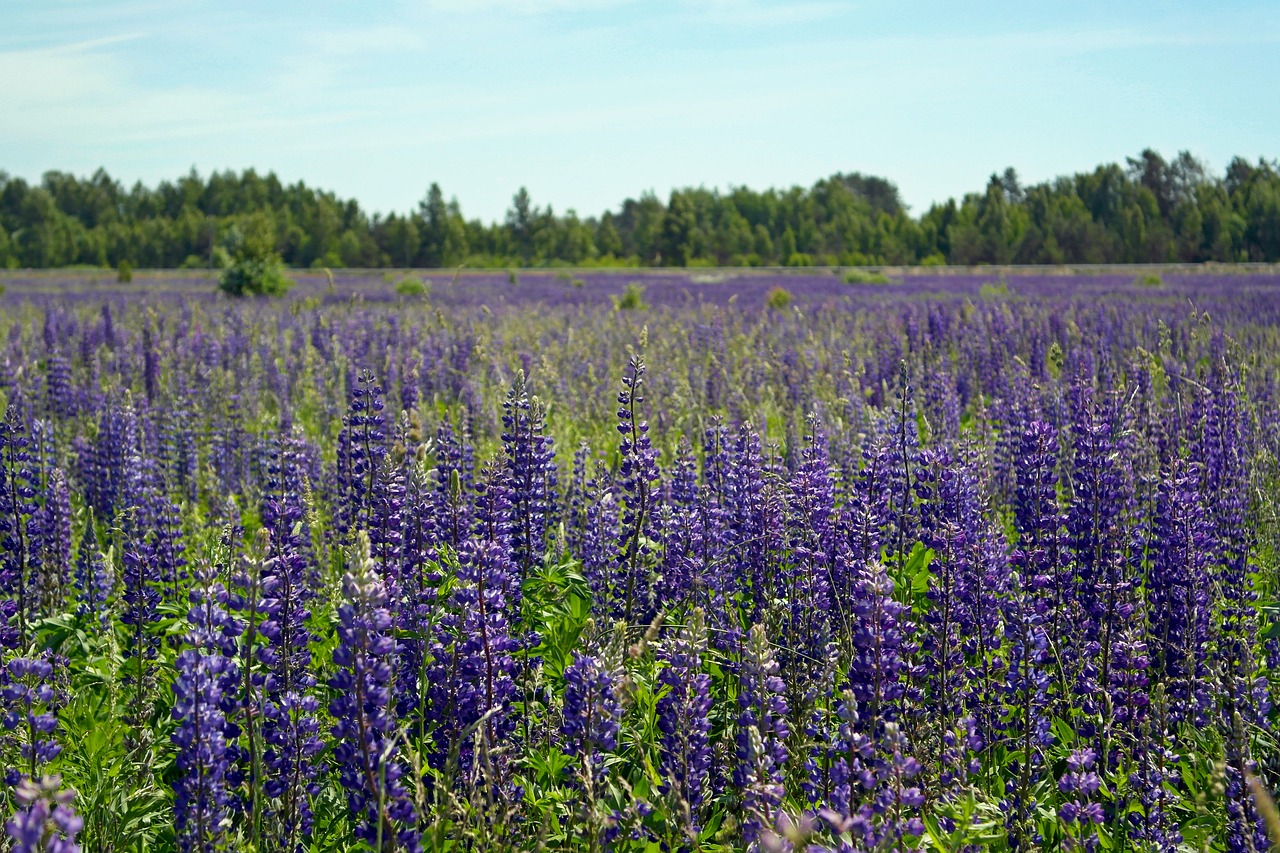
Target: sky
(588, 102)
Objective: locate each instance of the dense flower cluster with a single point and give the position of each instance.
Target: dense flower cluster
(935, 573)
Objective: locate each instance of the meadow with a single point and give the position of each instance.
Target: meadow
(640, 560)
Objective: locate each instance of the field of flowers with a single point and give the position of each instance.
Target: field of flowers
(640, 561)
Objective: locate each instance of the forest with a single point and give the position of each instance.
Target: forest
(1146, 210)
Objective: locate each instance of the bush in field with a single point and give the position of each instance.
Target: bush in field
(1149, 280)
(255, 268)
(866, 277)
(412, 286)
(124, 272)
(994, 289)
(632, 298)
(778, 298)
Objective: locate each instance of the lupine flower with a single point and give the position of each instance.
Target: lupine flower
(1080, 811)
(476, 650)
(94, 581)
(206, 682)
(45, 821)
(29, 698)
(762, 735)
(20, 533)
(639, 469)
(54, 571)
(591, 716)
(59, 399)
(364, 729)
(685, 757)
(290, 725)
(139, 600)
(361, 449)
(530, 461)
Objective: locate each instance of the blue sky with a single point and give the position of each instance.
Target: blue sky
(587, 102)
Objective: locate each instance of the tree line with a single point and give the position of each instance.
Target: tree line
(1147, 210)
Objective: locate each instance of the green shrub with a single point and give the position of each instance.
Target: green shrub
(632, 298)
(994, 289)
(866, 277)
(800, 259)
(1149, 280)
(412, 286)
(937, 259)
(778, 298)
(512, 278)
(124, 272)
(255, 268)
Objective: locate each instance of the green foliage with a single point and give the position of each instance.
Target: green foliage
(632, 298)
(124, 272)
(778, 298)
(1146, 210)
(997, 289)
(866, 277)
(1149, 280)
(412, 286)
(255, 268)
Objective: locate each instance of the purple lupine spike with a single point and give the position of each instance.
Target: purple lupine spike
(685, 755)
(973, 574)
(207, 678)
(944, 621)
(139, 599)
(493, 505)
(179, 455)
(592, 715)
(95, 583)
(1156, 778)
(454, 470)
(386, 519)
(812, 541)
(30, 694)
(681, 522)
(103, 469)
(167, 541)
(1223, 445)
(869, 509)
(368, 763)
(1081, 812)
(595, 511)
(46, 821)
(19, 525)
(54, 570)
(530, 461)
(361, 451)
(880, 774)
(762, 735)
(60, 401)
(1178, 597)
(638, 472)
(1103, 591)
(1246, 830)
(291, 725)
(881, 644)
(476, 646)
(1031, 600)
